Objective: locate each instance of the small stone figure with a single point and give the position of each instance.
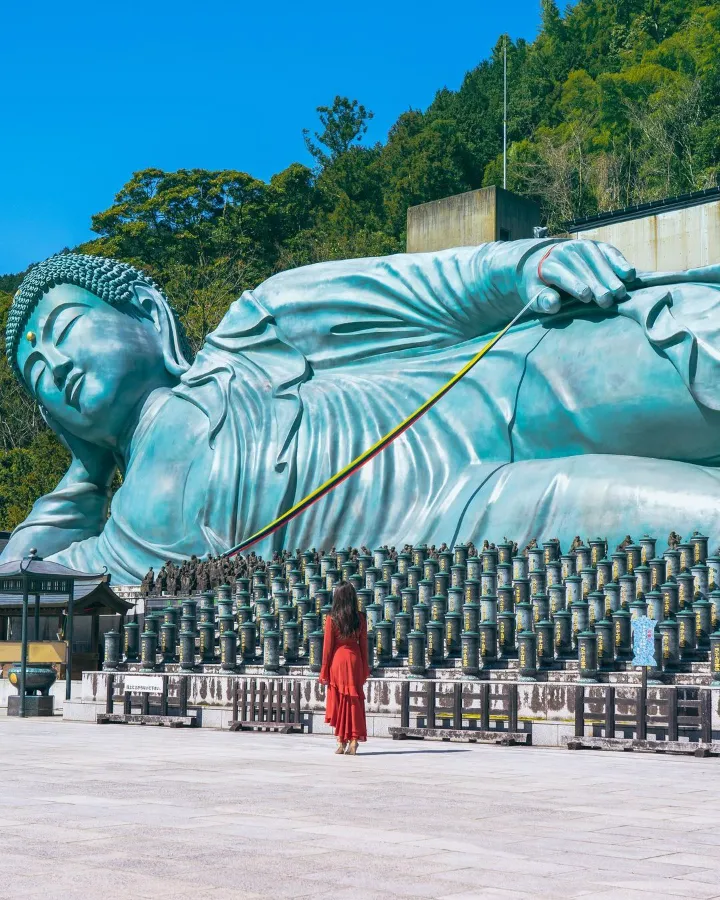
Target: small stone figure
(577, 542)
(184, 579)
(674, 540)
(203, 577)
(172, 578)
(626, 543)
(192, 574)
(148, 583)
(160, 583)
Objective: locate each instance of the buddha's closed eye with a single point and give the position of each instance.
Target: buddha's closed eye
(58, 324)
(64, 324)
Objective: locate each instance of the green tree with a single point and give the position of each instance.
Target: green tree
(344, 124)
(27, 473)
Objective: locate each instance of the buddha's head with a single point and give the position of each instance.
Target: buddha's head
(90, 338)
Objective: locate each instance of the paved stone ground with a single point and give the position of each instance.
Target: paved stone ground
(107, 812)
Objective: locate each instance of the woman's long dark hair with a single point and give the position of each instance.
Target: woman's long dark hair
(345, 609)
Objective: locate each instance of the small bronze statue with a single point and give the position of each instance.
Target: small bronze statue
(148, 583)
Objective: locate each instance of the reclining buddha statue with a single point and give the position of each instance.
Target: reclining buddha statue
(598, 411)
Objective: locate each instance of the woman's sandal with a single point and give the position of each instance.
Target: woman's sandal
(352, 748)
(340, 748)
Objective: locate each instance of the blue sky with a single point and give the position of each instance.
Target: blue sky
(91, 92)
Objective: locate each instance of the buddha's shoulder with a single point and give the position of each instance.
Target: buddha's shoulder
(177, 433)
(167, 478)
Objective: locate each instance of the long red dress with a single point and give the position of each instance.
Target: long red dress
(345, 670)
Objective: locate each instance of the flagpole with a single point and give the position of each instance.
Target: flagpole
(505, 112)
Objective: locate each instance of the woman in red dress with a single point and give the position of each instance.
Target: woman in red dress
(345, 669)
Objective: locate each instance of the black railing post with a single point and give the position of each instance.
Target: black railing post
(485, 706)
(609, 711)
(513, 708)
(706, 715)
(164, 697)
(405, 705)
(457, 706)
(109, 692)
(672, 719)
(579, 711)
(183, 695)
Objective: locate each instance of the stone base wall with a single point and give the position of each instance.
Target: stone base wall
(545, 709)
(57, 691)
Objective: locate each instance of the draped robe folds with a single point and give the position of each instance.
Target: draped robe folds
(583, 422)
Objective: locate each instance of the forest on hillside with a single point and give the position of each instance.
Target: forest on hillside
(616, 102)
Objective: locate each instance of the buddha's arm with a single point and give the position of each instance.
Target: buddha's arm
(77, 509)
(110, 550)
(338, 311)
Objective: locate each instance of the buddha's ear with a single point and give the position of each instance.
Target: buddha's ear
(147, 303)
(150, 304)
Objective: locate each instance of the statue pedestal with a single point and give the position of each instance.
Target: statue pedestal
(34, 706)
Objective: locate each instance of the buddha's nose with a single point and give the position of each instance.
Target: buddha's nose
(60, 372)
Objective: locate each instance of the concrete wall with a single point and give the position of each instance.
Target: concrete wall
(677, 239)
(516, 216)
(661, 241)
(476, 217)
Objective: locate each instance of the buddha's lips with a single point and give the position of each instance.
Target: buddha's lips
(72, 388)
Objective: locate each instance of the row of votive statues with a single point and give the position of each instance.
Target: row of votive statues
(427, 609)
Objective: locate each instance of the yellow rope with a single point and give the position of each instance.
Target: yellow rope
(364, 457)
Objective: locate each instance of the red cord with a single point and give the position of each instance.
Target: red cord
(540, 265)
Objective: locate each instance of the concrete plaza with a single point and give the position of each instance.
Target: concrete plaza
(107, 812)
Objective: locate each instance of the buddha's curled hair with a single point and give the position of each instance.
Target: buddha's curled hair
(110, 280)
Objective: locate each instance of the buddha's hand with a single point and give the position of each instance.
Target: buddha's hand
(589, 271)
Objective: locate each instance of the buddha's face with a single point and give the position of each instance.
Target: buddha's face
(89, 364)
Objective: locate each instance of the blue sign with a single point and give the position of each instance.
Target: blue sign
(643, 636)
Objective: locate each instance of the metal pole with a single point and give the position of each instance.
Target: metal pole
(505, 113)
(69, 636)
(24, 650)
(122, 635)
(37, 617)
(642, 707)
